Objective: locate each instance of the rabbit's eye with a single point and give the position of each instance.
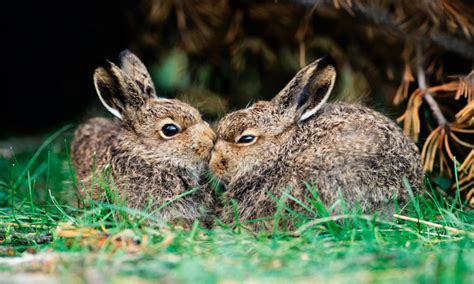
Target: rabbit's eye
(246, 139)
(170, 130)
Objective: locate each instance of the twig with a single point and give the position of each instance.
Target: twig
(420, 72)
(24, 225)
(431, 224)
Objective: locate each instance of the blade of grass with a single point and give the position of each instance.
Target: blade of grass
(38, 152)
(30, 191)
(58, 206)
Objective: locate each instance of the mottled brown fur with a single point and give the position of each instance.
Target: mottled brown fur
(341, 149)
(144, 166)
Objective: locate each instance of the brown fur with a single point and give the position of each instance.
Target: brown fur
(144, 166)
(341, 149)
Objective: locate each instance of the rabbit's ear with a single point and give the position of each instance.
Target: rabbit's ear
(116, 90)
(136, 70)
(307, 92)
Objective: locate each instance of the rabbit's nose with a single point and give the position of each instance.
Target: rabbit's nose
(208, 136)
(204, 142)
(203, 148)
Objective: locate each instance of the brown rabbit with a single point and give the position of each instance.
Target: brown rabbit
(298, 138)
(156, 150)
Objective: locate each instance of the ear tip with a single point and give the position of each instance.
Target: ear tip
(110, 66)
(326, 61)
(126, 57)
(124, 53)
(99, 71)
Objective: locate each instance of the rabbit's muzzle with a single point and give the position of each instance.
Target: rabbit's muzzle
(218, 162)
(203, 141)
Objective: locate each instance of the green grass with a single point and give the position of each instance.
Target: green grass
(39, 207)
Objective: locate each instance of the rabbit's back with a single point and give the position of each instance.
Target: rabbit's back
(92, 144)
(357, 151)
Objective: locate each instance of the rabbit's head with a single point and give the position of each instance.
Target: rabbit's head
(251, 140)
(166, 130)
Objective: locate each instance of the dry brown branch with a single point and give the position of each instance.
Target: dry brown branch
(458, 140)
(466, 87)
(440, 119)
(432, 146)
(448, 87)
(411, 118)
(402, 91)
(382, 18)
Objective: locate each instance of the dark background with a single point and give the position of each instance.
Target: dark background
(52, 51)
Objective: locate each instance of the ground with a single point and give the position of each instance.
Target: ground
(45, 237)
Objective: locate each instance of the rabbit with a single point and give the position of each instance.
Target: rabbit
(297, 139)
(155, 150)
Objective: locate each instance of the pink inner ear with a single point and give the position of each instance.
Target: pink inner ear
(104, 88)
(319, 96)
(113, 111)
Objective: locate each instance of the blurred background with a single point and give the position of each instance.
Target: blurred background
(219, 55)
